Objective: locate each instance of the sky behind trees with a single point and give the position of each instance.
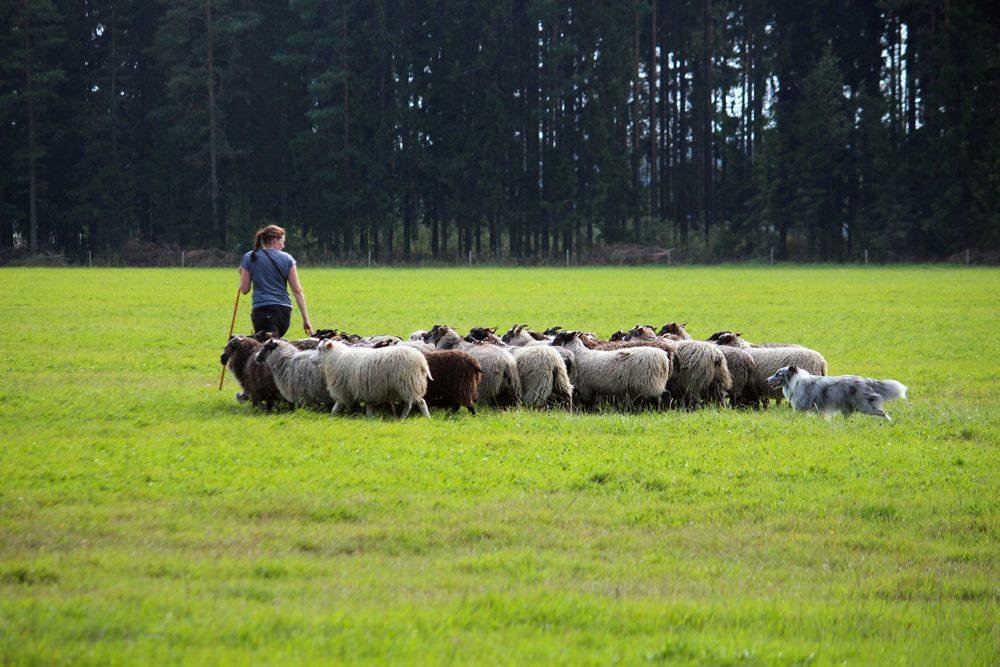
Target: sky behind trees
(508, 128)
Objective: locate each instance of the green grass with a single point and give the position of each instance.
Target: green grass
(146, 517)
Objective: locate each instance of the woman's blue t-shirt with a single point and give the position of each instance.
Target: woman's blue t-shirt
(269, 278)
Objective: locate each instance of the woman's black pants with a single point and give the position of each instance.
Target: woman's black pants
(271, 318)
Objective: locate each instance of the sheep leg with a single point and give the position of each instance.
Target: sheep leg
(337, 406)
(369, 410)
(406, 410)
(422, 404)
(470, 407)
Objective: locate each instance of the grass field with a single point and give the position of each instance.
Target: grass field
(147, 518)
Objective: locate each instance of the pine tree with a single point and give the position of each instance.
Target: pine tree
(31, 75)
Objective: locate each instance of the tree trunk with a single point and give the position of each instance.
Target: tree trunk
(213, 180)
(347, 112)
(32, 179)
(707, 110)
(653, 78)
(407, 225)
(635, 153)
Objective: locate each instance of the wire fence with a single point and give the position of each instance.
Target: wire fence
(150, 255)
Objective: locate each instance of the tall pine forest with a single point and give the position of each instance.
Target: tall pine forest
(505, 130)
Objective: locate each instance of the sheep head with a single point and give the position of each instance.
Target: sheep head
(230, 350)
(264, 336)
(565, 337)
(512, 333)
(673, 328)
(731, 339)
(266, 349)
(323, 334)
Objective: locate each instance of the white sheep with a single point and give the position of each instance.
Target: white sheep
(544, 376)
(296, 373)
(703, 374)
(374, 376)
(636, 373)
(701, 371)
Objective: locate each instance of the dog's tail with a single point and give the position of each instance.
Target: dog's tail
(889, 389)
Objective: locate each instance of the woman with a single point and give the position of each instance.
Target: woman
(270, 270)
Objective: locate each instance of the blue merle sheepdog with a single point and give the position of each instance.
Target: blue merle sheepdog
(837, 393)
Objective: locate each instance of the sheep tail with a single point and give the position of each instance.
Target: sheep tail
(561, 384)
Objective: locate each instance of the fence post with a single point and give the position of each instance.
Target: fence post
(670, 251)
(369, 258)
(470, 257)
(90, 259)
(866, 256)
(967, 258)
(182, 259)
(772, 256)
(567, 258)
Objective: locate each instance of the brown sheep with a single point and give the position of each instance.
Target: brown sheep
(255, 379)
(455, 377)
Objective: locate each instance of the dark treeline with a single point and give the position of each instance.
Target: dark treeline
(508, 128)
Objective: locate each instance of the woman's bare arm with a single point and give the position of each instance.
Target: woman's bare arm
(300, 298)
(244, 281)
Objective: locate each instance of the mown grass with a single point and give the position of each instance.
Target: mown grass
(146, 517)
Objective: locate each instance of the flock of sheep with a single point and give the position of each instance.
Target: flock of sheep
(640, 368)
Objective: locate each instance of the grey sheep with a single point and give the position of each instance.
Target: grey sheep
(770, 360)
(296, 373)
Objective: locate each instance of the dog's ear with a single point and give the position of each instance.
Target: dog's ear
(793, 369)
(738, 335)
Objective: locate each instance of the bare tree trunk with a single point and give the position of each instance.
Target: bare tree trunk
(911, 86)
(706, 130)
(634, 108)
(347, 113)
(114, 111)
(654, 164)
(32, 178)
(213, 181)
(666, 121)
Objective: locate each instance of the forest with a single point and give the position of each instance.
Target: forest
(508, 130)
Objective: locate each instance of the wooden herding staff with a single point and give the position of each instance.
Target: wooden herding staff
(232, 325)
